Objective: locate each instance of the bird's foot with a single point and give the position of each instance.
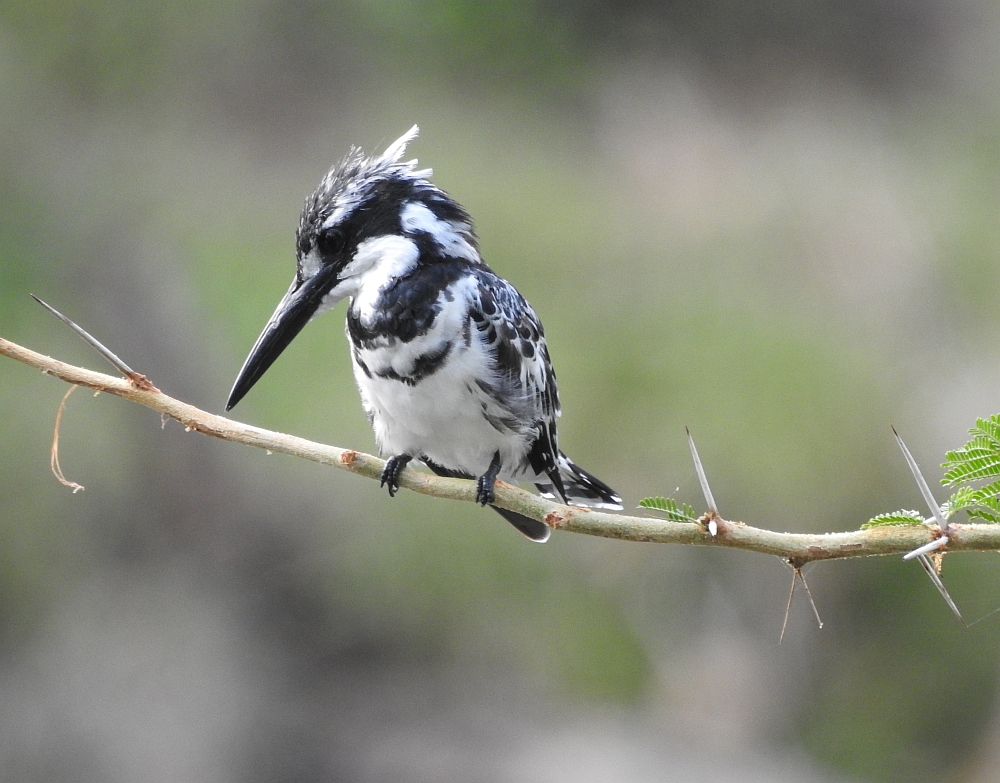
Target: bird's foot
(484, 491)
(484, 486)
(392, 471)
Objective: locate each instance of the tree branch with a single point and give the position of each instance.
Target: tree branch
(797, 548)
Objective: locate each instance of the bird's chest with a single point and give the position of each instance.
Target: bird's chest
(424, 383)
(443, 414)
(408, 328)
(407, 334)
(390, 309)
(428, 396)
(424, 372)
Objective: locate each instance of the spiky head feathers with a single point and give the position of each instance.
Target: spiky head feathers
(357, 183)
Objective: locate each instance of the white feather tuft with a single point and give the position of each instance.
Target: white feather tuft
(395, 150)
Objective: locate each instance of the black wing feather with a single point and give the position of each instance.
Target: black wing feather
(526, 382)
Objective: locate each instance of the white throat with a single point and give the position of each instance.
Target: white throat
(376, 263)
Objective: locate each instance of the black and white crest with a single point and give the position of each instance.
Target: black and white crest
(450, 360)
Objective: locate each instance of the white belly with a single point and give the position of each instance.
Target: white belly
(445, 417)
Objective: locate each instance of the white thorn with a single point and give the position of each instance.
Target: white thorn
(922, 484)
(936, 581)
(702, 478)
(930, 546)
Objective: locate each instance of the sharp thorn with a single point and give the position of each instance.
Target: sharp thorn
(809, 594)
(788, 606)
(927, 548)
(87, 338)
(936, 581)
(702, 478)
(922, 484)
(138, 379)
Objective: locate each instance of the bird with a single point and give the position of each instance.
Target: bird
(450, 360)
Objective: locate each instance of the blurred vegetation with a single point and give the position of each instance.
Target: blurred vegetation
(773, 223)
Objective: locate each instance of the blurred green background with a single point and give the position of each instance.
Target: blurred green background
(774, 223)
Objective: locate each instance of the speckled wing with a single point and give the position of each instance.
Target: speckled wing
(525, 384)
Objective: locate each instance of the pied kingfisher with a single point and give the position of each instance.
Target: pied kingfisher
(449, 358)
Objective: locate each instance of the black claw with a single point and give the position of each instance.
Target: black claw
(484, 491)
(392, 471)
(484, 486)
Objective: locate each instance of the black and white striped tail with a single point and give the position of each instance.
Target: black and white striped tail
(579, 488)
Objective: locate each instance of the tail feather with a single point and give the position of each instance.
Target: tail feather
(528, 527)
(576, 487)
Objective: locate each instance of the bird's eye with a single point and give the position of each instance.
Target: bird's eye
(330, 241)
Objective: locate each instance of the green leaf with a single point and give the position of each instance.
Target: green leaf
(979, 458)
(971, 469)
(989, 428)
(987, 492)
(668, 506)
(902, 517)
(986, 516)
(982, 503)
(962, 499)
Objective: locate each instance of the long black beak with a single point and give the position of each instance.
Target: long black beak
(292, 313)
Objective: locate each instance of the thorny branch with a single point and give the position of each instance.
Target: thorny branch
(796, 548)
